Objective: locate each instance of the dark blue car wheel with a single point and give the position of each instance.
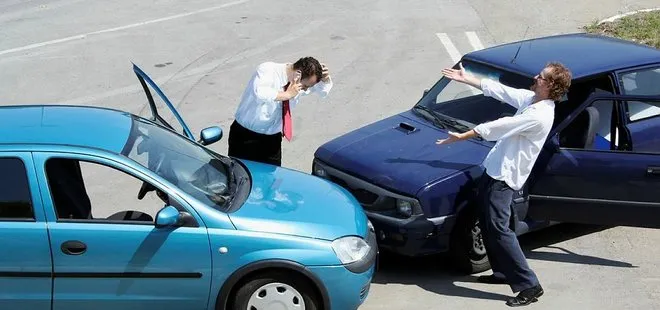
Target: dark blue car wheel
(467, 248)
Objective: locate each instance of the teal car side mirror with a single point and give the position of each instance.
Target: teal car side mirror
(210, 135)
(168, 216)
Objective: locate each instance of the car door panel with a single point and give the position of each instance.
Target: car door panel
(25, 259)
(124, 264)
(162, 110)
(594, 187)
(603, 187)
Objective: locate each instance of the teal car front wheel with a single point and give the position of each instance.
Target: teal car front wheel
(276, 290)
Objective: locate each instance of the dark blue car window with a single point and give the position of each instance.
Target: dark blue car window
(15, 200)
(468, 104)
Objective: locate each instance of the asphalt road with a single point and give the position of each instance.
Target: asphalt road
(381, 54)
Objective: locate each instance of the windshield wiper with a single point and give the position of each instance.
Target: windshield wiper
(436, 120)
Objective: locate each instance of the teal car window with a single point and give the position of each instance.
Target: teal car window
(189, 166)
(15, 199)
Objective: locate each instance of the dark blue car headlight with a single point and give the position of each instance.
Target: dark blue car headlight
(408, 207)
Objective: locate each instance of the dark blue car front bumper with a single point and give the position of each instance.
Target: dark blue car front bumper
(415, 236)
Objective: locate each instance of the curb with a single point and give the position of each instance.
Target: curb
(615, 17)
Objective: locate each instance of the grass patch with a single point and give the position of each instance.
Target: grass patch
(643, 27)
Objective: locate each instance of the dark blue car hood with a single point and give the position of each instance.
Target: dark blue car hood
(397, 159)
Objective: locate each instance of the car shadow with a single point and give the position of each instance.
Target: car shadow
(436, 274)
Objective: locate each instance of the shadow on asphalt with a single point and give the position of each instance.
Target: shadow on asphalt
(435, 273)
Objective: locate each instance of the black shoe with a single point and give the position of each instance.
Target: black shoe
(526, 297)
(491, 279)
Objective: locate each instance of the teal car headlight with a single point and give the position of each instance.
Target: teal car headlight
(350, 249)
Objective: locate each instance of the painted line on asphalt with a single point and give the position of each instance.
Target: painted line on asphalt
(474, 40)
(449, 46)
(82, 36)
(453, 51)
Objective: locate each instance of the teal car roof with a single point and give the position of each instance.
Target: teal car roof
(81, 126)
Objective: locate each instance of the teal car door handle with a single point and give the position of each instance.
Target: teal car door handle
(73, 247)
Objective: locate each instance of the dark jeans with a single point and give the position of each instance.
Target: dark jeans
(247, 144)
(504, 253)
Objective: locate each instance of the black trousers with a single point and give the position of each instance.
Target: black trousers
(250, 145)
(504, 253)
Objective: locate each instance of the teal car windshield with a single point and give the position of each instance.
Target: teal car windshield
(460, 107)
(192, 168)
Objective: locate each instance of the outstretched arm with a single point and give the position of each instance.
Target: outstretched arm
(461, 76)
(512, 96)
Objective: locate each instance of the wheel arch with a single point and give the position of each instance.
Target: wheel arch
(230, 285)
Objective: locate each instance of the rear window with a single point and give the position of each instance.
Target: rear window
(15, 199)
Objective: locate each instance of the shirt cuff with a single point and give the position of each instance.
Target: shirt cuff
(482, 130)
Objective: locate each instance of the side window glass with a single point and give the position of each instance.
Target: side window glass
(15, 198)
(644, 83)
(84, 190)
(591, 129)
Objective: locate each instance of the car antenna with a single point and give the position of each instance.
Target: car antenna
(519, 46)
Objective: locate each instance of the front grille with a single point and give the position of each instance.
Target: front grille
(362, 195)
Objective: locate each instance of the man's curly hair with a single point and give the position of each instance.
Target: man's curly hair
(560, 80)
(309, 66)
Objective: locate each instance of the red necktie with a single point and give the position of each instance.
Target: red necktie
(287, 129)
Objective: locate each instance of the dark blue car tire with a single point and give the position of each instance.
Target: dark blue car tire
(255, 285)
(467, 249)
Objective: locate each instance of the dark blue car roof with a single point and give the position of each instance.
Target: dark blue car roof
(584, 54)
(83, 126)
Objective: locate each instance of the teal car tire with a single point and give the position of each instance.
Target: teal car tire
(279, 289)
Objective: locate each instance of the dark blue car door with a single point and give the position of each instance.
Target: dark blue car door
(610, 175)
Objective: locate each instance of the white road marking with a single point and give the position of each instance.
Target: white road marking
(474, 40)
(455, 54)
(82, 36)
(449, 46)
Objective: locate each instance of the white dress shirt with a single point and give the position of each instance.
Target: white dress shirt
(519, 137)
(258, 109)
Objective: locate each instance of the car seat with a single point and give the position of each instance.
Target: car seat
(581, 133)
(68, 189)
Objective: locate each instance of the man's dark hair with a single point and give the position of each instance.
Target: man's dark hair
(308, 66)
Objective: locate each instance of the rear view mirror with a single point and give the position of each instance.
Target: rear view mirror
(426, 91)
(210, 135)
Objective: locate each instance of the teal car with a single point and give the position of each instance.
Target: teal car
(104, 209)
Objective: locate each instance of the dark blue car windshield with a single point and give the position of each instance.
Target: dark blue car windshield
(190, 167)
(467, 105)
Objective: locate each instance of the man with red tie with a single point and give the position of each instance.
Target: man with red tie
(264, 113)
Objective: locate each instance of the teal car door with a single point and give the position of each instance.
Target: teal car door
(25, 259)
(108, 252)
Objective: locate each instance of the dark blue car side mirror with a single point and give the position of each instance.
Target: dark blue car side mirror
(168, 216)
(210, 135)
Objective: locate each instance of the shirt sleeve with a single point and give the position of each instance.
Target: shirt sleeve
(507, 126)
(263, 85)
(512, 96)
(321, 88)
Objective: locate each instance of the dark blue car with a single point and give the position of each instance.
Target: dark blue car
(600, 165)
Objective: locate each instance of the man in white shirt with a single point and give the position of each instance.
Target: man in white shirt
(264, 113)
(508, 165)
